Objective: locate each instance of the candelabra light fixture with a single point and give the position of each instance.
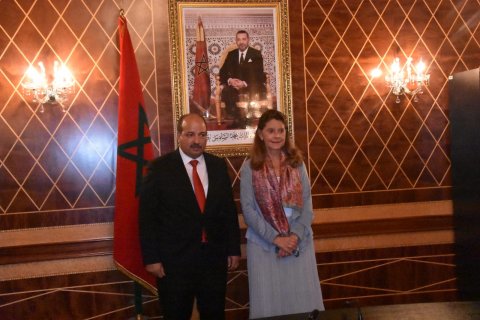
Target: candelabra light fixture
(408, 79)
(41, 91)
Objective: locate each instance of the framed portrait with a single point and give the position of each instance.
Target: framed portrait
(230, 62)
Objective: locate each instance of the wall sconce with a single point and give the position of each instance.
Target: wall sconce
(37, 86)
(411, 83)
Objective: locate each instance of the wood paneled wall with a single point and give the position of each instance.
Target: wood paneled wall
(58, 168)
(360, 146)
(363, 148)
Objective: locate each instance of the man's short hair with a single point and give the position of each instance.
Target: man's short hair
(242, 31)
(186, 115)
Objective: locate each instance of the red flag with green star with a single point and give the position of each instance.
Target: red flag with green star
(134, 150)
(201, 85)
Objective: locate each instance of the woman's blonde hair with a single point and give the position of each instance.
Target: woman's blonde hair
(259, 152)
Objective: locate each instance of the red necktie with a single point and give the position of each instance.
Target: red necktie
(199, 192)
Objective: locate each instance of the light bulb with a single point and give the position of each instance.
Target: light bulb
(375, 73)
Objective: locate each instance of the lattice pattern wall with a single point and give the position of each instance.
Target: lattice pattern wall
(363, 147)
(62, 161)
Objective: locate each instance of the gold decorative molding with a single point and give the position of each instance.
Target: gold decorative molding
(56, 267)
(383, 211)
(384, 241)
(52, 235)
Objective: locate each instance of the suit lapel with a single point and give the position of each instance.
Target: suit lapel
(180, 168)
(184, 179)
(249, 54)
(212, 179)
(237, 57)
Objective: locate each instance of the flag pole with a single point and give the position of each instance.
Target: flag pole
(126, 241)
(137, 288)
(138, 301)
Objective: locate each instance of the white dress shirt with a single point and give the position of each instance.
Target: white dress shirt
(201, 169)
(240, 54)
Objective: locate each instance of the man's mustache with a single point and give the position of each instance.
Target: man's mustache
(195, 145)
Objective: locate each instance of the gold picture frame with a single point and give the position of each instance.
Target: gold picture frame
(218, 22)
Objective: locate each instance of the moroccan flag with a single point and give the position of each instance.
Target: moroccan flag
(201, 85)
(134, 150)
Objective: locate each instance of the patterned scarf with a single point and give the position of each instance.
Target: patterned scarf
(272, 195)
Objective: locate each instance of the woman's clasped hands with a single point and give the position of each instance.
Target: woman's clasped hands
(286, 245)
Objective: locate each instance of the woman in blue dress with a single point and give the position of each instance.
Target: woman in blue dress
(277, 206)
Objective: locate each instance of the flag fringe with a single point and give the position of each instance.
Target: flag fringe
(132, 276)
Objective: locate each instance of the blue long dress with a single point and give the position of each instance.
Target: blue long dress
(279, 286)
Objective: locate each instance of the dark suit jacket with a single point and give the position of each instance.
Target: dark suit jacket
(251, 71)
(170, 220)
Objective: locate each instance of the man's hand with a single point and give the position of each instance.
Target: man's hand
(233, 262)
(237, 83)
(156, 269)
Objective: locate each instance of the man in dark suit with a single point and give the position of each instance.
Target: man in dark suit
(242, 73)
(189, 231)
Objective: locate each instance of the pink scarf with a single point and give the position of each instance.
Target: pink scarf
(272, 195)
